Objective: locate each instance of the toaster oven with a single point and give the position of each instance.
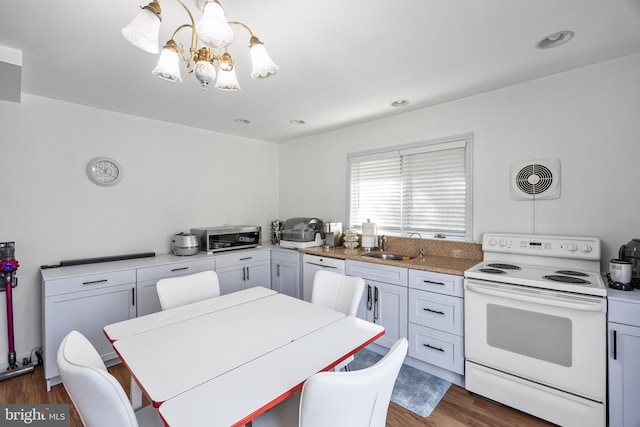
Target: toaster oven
(227, 238)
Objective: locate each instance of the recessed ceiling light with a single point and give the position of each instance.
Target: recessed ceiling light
(242, 121)
(400, 103)
(555, 39)
(297, 122)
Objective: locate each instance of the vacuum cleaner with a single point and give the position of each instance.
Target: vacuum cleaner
(8, 281)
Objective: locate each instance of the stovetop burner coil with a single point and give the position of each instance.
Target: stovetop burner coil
(504, 266)
(572, 273)
(566, 279)
(491, 271)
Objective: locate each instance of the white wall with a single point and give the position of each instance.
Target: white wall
(588, 118)
(175, 178)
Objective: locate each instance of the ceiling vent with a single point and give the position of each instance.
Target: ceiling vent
(535, 179)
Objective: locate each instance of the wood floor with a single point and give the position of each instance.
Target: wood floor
(457, 408)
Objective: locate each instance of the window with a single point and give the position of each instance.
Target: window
(423, 187)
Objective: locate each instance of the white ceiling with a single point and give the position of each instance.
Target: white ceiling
(341, 62)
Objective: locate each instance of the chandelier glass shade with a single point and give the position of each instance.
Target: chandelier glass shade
(207, 56)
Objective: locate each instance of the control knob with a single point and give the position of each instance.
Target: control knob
(585, 248)
(572, 247)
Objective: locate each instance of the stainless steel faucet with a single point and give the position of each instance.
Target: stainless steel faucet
(421, 251)
(383, 243)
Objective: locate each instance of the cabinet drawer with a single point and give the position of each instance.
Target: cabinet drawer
(175, 269)
(437, 348)
(244, 257)
(88, 282)
(624, 312)
(436, 311)
(282, 256)
(377, 272)
(436, 282)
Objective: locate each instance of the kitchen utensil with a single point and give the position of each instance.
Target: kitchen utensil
(631, 252)
(184, 244)
(620, 271)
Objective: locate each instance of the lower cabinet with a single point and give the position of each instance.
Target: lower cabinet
(285, 272)
(436, 319)
(244, 270)
(384, 303)
(86, 303)
(624, 350)
(147, 277)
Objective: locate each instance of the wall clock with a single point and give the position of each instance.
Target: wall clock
(104, 171)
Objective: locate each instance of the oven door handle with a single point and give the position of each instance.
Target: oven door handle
(585, 306)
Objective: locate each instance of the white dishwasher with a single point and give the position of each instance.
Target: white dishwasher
(311, 264)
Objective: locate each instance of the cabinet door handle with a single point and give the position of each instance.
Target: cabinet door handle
(433, 311)
(369, 299)
(244, 273)
(278, 273)
(94, 282)
(179, 269)
(433, 348)
(375, 304)
(433, 283)
(615, 345)
(247, 273)
(133, 296)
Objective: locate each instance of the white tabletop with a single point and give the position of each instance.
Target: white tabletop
(175, 357)
(236, 397)
(137, 325)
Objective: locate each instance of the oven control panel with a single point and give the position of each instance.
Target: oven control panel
(543, 245)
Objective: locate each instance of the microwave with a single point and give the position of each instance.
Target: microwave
(228, 238)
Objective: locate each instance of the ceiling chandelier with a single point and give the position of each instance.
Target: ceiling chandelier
(207, 56)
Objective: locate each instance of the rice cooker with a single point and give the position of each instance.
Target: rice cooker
(184, 244)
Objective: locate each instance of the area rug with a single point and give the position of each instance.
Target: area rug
(414, 390)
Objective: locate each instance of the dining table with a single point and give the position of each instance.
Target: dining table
(225, 360)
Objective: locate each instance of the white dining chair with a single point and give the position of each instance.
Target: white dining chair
(342, 399)
(338, 292)
(177, 291)
(97, 395)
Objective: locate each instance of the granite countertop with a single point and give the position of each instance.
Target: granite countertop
(440, 256)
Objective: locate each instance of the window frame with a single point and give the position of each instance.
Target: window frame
(444, 141)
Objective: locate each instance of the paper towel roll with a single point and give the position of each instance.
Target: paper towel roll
(369, 235)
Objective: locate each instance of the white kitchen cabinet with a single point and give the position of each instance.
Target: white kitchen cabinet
(244, 270)
(385, 298)
(286, 272)
(624, 350)
(86, 303)
(147, 278)
(436, 319)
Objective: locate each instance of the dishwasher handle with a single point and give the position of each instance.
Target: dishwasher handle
(322, 265)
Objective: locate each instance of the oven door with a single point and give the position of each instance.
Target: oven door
(554, 338)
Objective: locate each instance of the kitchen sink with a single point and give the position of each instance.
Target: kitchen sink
(390, 257)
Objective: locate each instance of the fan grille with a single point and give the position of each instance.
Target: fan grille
(534, 179)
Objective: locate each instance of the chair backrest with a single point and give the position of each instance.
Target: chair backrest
(337, 291)
(355, 398)
(177, 291)
(96, 394)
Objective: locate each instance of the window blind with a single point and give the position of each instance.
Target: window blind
(421, 188)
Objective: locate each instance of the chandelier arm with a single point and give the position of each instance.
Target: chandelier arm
(242, 25)
(194, 36)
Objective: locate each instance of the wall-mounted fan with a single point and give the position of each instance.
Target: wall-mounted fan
(535, 179)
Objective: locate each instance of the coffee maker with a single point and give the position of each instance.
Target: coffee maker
(631, 252)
